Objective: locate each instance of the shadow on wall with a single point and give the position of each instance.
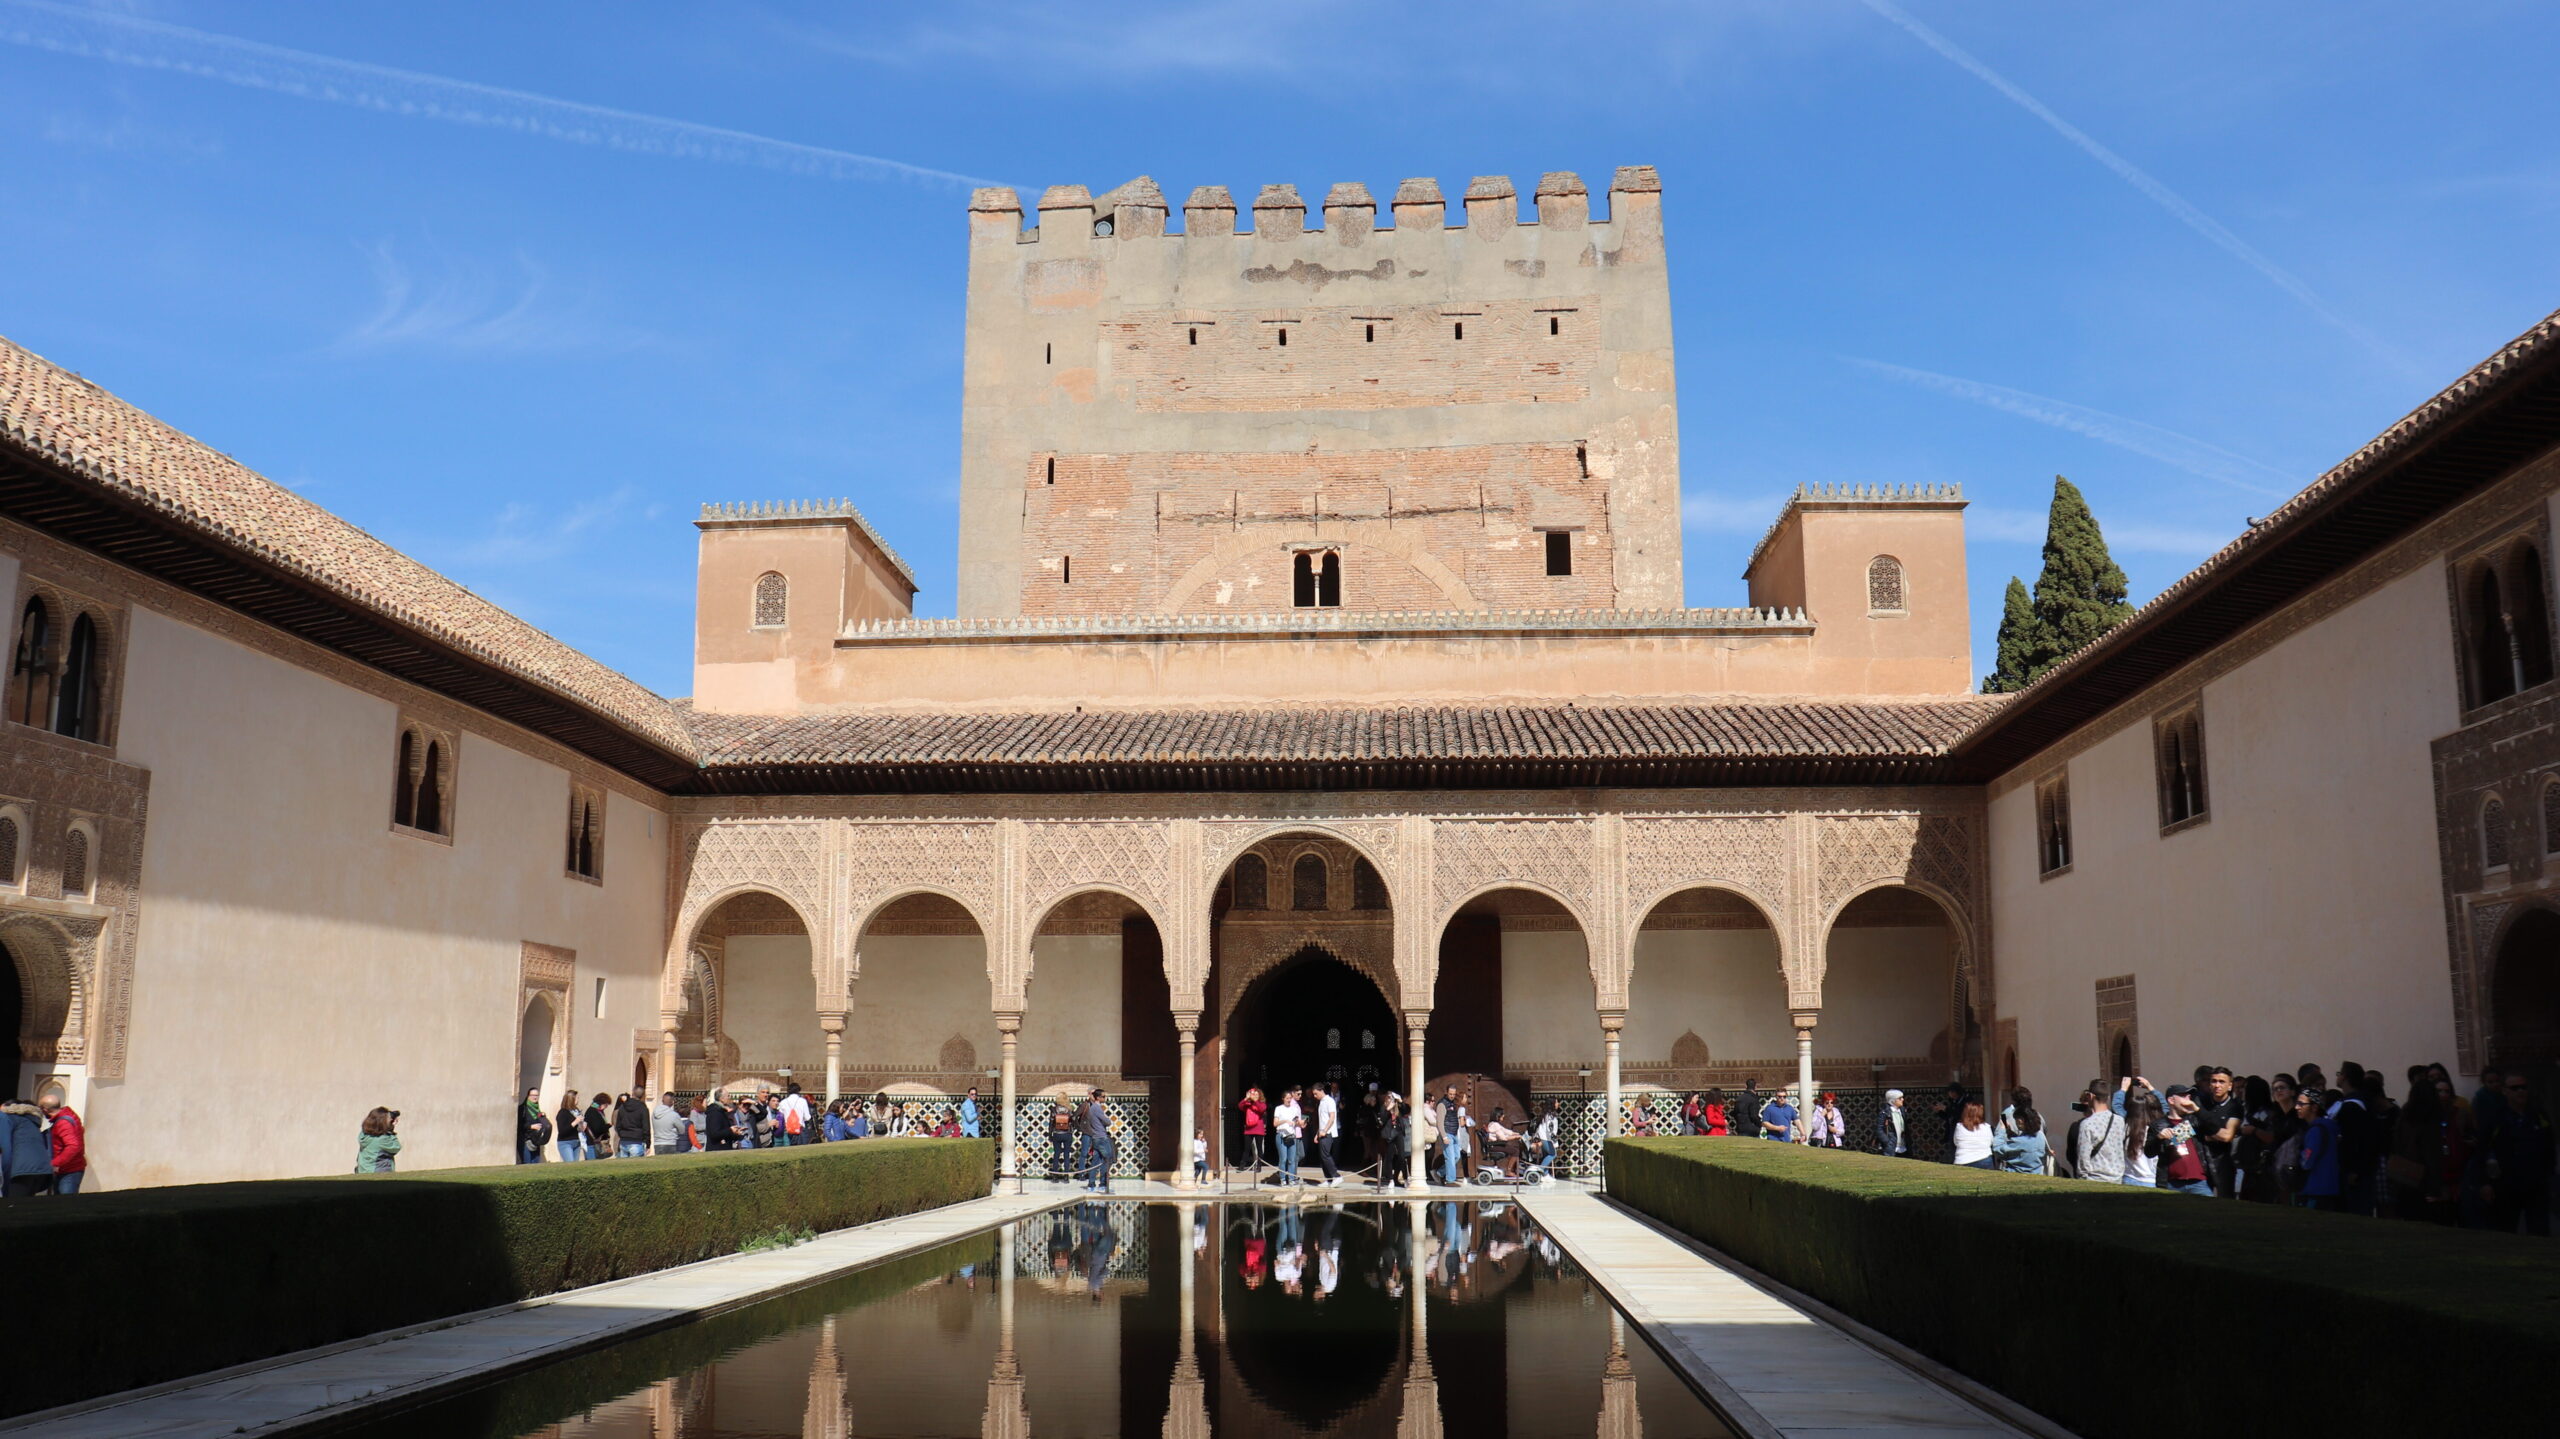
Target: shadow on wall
(158, 1284)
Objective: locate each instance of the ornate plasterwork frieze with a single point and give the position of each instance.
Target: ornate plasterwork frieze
(82, 944)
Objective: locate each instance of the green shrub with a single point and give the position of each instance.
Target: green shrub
(148, 1285)
(2123, 1312)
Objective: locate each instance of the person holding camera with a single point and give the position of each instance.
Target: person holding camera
(378, 1149)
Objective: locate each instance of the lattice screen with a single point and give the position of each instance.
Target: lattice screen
(1075, 1230)
(1579, 1123)
(1033, 1152)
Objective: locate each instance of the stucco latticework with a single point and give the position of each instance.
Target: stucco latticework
(1016, 866)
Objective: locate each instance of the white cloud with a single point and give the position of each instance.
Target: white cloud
(2185, 452)
(2026, 527)
(157, 45)
(2178, 206)
(521, 534)
(474, 307)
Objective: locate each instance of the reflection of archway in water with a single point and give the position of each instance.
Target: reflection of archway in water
(1313, 1018)
(1313, 1362)
(533, 1045)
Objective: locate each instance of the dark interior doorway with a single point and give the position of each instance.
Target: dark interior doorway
(13, 1022)
(1313, 1018)
(2524, 1004)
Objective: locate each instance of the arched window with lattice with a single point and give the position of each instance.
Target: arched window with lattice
(1252, 883)
(1884, 586)
(1368, 887)
(75, 863)
(773, 600)
(12, 846)
(2493, 834)
(31, 666)
(2551, 816)
(1307, 883)
(79, 707)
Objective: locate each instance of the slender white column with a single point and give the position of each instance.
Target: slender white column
(833, 1024)
(1009, 1030)
(1187, 1032)
(1804, 1061)
(666, 1054)
(1610, 1024)
(1418, 1164)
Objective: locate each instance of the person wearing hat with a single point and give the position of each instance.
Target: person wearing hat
(1893, 1127)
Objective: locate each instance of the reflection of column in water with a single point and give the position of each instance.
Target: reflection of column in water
(1005, 1417)
(825, 1416)
(1187, 1416)
(666, 1411)
(1421, 1416)
(1619, 1417)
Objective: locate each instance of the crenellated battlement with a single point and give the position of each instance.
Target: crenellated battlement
(1137, 210)
(748, 514)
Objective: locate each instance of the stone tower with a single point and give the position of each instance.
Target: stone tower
(1421, 416)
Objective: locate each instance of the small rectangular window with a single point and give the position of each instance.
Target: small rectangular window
(1458, 330)
(1559, 552)
(1555, 325)
(1371, 331)
(599, 997)
(1053, 469)
(1195, 334)
(1048, 354)
(1284, 339)
(1066, 569)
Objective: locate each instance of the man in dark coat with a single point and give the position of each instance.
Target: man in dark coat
(1097, 1140)
(631, 1126)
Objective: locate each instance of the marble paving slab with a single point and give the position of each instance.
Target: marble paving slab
(1773, 1368)
(292, 1392)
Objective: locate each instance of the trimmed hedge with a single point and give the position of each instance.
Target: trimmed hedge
(2123, 1312)
(148, 1285)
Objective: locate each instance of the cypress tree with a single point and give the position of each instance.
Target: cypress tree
(2018, 642)
(2081, 593)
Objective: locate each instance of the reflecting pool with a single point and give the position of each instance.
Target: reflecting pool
(1130, 1317)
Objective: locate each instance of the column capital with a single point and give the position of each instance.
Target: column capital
(1805, 1018)
(1417, 1019)
(1186, 1020)
(1008, 1022)
(1612, 1020)
(831, 1023)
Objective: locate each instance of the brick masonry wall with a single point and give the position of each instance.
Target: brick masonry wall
(1355, 358)
(1446, 527)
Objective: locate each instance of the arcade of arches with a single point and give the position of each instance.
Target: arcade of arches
(1172, 955)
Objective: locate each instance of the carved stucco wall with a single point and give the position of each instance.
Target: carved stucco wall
(1799, 857)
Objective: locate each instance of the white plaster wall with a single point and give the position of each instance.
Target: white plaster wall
(769, 1002)
(1549, 1011)
(1886, 991)
(2304, 920)
(297, 955)
(914, 993)
(1074, 1017)
(1723, 983)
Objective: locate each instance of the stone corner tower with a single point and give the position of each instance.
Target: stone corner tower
(1422, 415)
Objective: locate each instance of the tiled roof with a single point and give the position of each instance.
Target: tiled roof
(60, 418)
(1477, 738)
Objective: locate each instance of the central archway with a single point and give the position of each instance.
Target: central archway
(1314, 1018)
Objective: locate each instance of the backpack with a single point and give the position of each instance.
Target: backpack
(2289, 1168)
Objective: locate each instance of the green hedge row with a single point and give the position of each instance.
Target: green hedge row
(148, 1285)
(2126, 1313)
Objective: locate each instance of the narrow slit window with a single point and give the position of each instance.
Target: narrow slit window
(1555, 325)
(1582, 460)
(1195, 334)
(1559, 552)
(1458, 330)
(1066, 569)
(599, 997)
(1370, 333)
(1048, 354)
(1284, 339)
(1053, 470)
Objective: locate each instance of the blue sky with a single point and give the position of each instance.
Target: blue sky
(516, 288)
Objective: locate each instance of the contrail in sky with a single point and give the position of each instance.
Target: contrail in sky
(157, 45)
(2184, 452)
(2159, 194)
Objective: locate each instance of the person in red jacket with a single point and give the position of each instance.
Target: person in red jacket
(70, 1142)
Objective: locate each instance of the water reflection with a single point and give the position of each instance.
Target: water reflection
(1125, 1317)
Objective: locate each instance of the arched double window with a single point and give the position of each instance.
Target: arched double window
(1316, 580)
(2053, 825)
(58, 676)
(1884, 585)
(2506, 625)
(586, 824)
(773, 600)
(421, 785)
(31, 667)
(2179, 751)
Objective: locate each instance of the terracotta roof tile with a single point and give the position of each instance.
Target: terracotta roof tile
(51, 413)
(1353, 735)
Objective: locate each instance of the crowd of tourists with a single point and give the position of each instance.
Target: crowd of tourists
(43, 1148)
(628, 1126)
(2485, 1160)
(1311, 1123)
